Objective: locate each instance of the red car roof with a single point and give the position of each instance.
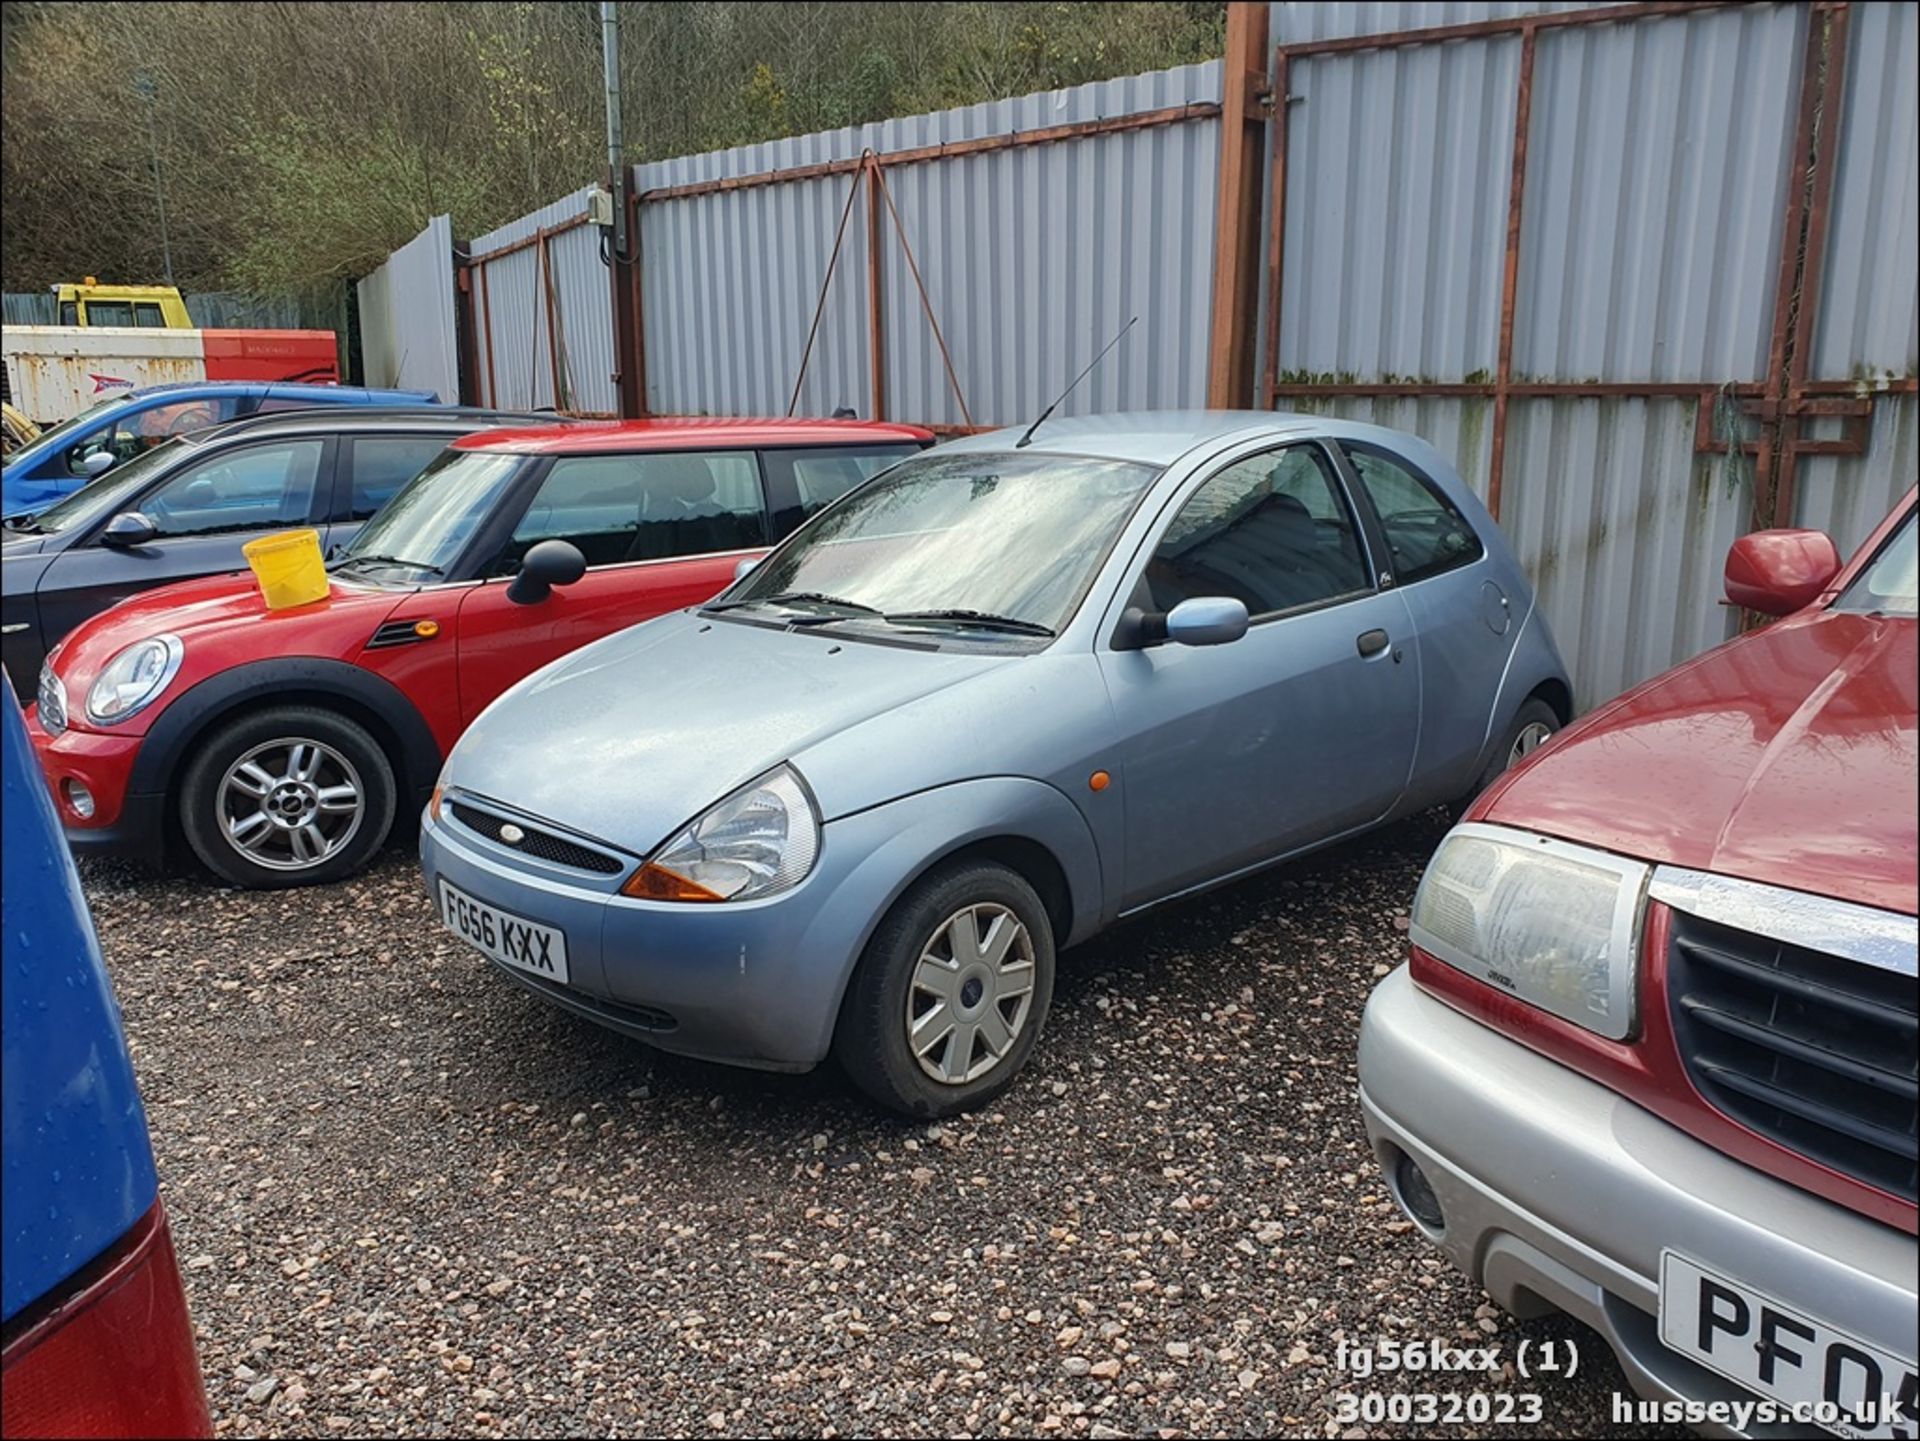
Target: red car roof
(678, 432)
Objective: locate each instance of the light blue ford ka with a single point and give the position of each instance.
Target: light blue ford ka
(997, 698)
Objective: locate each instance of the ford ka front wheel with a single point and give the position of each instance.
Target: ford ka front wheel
(950, 995)
(291, 796)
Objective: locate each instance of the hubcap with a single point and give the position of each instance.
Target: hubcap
(1528, 741)
(290, 804)
(971, 992)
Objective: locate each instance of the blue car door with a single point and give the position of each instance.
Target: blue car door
(1301, 730)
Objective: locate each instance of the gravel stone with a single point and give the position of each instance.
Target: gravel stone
(447, 1208)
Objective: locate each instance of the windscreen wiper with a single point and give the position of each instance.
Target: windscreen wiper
(24, 524)
(352, 560)
(798, 597)
(983, 620)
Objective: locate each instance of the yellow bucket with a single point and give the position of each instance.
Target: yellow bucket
(289, 567)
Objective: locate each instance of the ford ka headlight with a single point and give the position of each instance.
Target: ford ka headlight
(758, 841)
(133, 678)
(1555, 924)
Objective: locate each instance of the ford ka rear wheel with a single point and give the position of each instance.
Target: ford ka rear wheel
(1532, 728)
(947, 1001)
(287, 797)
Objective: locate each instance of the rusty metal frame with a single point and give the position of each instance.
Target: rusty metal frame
(1779, 402)
(919, 155)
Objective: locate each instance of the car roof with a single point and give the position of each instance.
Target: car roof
(364, 419)
(680, 432)
(1148, 437)
(285, 389)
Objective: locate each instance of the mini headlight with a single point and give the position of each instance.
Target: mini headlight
(133, 678)
(1557, 925)
(761, 839)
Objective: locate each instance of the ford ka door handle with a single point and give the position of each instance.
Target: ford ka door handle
(1371, 643)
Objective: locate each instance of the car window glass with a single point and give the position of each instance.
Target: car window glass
(69, 312)
(1426, 534)
(383, 463)
(643, 507)
(109, 312)
(1273, 531)
(1890, 585)
(141, 431)
(803, 481)
(146, 314)
(255, 488)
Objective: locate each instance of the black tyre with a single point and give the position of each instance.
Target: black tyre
(951, 993)
(292, 796)
(1533, 725)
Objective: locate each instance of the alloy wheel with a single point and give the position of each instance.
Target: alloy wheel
(290, 803)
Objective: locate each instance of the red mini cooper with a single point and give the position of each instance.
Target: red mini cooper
(281, 745)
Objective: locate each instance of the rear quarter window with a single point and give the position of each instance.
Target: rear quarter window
(802, 481)
(1426, 533)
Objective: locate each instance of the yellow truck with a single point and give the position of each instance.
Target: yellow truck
(155, 307)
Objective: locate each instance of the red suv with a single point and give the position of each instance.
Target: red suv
(1652, 1061)
(281, 745)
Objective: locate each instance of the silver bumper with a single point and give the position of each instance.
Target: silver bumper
(1560, 1194)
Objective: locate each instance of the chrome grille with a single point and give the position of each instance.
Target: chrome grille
(1814, 1051)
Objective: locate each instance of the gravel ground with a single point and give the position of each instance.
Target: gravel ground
(411, 1200)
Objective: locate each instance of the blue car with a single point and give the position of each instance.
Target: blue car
(63, 459)
(994, 700)
(98, 1342)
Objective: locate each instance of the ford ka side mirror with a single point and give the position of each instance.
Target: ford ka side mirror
(1204, 620)
(1777, 572)
(96, 463)
(127, 529)
(1207, 620)
(550, 563)
(744, 569)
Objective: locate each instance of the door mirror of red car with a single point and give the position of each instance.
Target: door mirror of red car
(550, 563)
(129, 528)
(1776, 572)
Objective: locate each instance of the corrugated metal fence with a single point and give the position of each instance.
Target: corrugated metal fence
(1689, 307)
(408, 331)
(1610, 380)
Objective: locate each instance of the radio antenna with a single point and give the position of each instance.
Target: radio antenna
(1021, 443)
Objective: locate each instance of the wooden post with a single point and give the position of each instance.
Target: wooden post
(1236, 242)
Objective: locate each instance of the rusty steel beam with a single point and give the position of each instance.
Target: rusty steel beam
(630, 361)
(1277, 220)
(1516, 24)
(1813, 254)
(1518, 390)
(527, 242)
(926, 302)
(553, 334)
(875, 335)
(1891, 385)
(1510, 275)
(1236, 238)
(819, 308)
(486, 328)
(980, 145)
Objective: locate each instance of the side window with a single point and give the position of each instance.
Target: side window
(109, 312)
(69, 312)
(800, 482)
(1425, 533)
(257, 488)
(1273, 531)
(140, 432)
(644, 507)
(147, 315)
(381, 464)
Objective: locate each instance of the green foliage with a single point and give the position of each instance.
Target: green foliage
(302, 142)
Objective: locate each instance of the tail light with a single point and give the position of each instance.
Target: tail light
(111, 1354)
